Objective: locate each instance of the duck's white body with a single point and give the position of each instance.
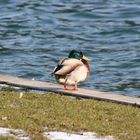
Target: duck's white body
(71, 71)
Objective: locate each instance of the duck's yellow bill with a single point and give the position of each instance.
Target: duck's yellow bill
(86, 58)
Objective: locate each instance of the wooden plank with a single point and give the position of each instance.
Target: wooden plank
(83, 93)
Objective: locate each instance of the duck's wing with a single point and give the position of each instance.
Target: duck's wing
(80, 73)
(87, 66)
(66, 66)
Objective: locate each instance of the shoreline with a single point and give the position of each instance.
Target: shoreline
(58, 89)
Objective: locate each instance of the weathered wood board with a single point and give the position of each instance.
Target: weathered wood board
(83, 93)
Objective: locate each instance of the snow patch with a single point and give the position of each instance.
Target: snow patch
(16, 133)
(55, 135)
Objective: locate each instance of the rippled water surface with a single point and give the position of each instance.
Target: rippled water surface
(34, 35)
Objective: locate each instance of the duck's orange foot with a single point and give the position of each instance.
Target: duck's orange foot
(67, 88)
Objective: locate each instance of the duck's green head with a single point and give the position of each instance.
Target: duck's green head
(77, 55)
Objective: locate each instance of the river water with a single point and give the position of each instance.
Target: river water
(35, 35)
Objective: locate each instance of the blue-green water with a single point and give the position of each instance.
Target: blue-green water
(35, 34)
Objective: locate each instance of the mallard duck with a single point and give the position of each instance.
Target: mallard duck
(72, 70)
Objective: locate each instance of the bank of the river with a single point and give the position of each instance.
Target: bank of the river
(34, 36)
(33, 112)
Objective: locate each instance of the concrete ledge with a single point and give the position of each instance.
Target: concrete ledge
(83, 93)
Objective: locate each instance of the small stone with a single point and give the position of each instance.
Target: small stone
(4, 118)
(21, 95)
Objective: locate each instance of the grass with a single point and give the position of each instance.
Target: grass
(33, 112)
(6, 138)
